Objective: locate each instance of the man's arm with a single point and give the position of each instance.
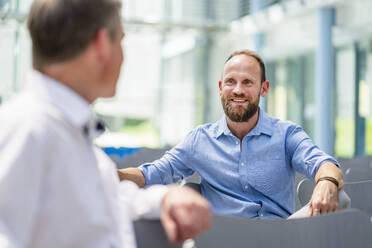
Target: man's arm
(325, 195)
(172, 167)
(183, 212)
(132, 174)
(21, 173)
(308, 159)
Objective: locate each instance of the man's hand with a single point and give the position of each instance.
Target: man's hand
(185, 214)
(324, 198)
(325, 194)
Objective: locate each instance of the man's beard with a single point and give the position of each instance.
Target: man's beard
(239, 113)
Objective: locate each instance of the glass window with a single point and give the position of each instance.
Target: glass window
(7, 45)
(289, 82)
(345, 102)
(294, 87)
(178, 111)
(270, 74)
(309, 96)
(279, 92)
(24, 62)
(365, 93)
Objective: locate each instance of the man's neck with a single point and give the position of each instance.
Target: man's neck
(241, 129)
(72, 75)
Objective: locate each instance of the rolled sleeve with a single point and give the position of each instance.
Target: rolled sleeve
(306, 157)
(151, 173)
(173, 166)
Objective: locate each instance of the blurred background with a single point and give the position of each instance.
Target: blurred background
(318, 55)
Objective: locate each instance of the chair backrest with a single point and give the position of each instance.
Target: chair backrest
(150, 234)
(194, 186)
(363, 161)
(194, 178)
(360, 194)
(299, 178)
(141, 156)
(304, 191)
(343, 229)
(357, 169)
(358, 173)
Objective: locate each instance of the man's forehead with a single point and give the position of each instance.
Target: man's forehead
(241, 62)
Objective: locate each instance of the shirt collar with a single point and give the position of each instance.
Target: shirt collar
(75, 108)
(264, 125)
(222, 127)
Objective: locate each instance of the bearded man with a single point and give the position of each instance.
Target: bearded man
(247, 160)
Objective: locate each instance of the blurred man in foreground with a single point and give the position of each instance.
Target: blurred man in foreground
(56, 188)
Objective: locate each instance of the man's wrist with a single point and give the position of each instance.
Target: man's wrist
(330, 179)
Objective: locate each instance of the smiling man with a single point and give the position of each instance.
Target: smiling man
(247, 160)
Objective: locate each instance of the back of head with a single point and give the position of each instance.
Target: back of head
(61, 29)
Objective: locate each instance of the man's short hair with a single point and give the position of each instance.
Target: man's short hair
(61, 29)
(255, 56)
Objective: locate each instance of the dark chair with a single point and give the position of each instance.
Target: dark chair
(304, 191)
(194, 178)
(194, 186)
(138, 157)
(344, 229)
(299, 178)
(150, 234)
(363, 161)
(357, 169)
(358, 173)
(361, 195)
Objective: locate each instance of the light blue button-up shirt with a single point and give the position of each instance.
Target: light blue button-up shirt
(253, 179)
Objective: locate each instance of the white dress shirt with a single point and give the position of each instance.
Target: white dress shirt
(56, 188)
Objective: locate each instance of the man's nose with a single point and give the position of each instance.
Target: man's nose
(238, 89)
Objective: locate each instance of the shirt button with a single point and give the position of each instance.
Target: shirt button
(246, 186)
(242, 163)
(261, 215)
(236, 142)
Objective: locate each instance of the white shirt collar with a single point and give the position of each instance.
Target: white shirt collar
(74, 107)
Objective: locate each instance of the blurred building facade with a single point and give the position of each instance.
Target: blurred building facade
(318, 55)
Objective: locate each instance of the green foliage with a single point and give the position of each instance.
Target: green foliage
(344, 143)
(369, 136)
(141, 130)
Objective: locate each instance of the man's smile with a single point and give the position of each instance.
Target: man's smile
(239, 101)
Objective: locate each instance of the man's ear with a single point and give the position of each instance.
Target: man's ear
(102, 45)
(220, 87)
(265, 88)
